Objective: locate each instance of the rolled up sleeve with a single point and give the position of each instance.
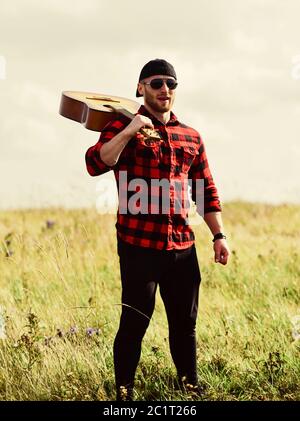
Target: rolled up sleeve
(209, 194)
(94, 164)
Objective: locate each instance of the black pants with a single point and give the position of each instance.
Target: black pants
(178, 275)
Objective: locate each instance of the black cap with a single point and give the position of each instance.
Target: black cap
(156, 67)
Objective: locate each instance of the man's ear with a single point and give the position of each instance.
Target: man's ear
(140, 89)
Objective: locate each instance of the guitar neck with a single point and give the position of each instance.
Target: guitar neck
(126, 113)
(121, 110)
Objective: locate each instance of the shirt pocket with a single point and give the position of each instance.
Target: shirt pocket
(189, 154)
(147, 153)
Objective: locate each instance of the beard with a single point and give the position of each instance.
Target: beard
(155, 105)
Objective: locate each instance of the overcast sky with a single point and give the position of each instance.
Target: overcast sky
(238, 68)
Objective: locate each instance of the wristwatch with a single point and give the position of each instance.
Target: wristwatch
(218, 236)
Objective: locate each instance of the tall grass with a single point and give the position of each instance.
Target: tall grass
(60, 300)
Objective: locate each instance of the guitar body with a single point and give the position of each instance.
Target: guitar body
(94, 110)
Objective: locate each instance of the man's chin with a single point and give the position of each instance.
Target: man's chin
(159, 108)
(162, 108)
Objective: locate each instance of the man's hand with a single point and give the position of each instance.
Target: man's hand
(137, 123)
(110, 151)
(222, 251)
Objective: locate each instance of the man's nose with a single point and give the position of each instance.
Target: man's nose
(165, 88)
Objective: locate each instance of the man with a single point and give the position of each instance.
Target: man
(156, 246)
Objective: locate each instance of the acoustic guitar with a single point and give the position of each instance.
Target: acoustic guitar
(94, 110)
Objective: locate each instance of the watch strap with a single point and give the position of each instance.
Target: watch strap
(219, 236)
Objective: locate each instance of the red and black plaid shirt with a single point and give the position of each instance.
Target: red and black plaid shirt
(179, 156)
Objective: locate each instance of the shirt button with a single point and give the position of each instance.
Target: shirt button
(177, 169)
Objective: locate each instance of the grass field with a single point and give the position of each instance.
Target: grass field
(60, 308)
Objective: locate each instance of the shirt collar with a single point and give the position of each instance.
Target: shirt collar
(173, 119)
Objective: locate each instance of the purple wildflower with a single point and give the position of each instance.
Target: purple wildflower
(73, 330)
(91, 331)
(50, 224)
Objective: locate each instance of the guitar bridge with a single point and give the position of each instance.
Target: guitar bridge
(95, 98)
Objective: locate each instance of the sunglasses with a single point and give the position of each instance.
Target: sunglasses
(158, 83)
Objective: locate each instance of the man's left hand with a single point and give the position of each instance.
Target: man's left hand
(222, 251)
